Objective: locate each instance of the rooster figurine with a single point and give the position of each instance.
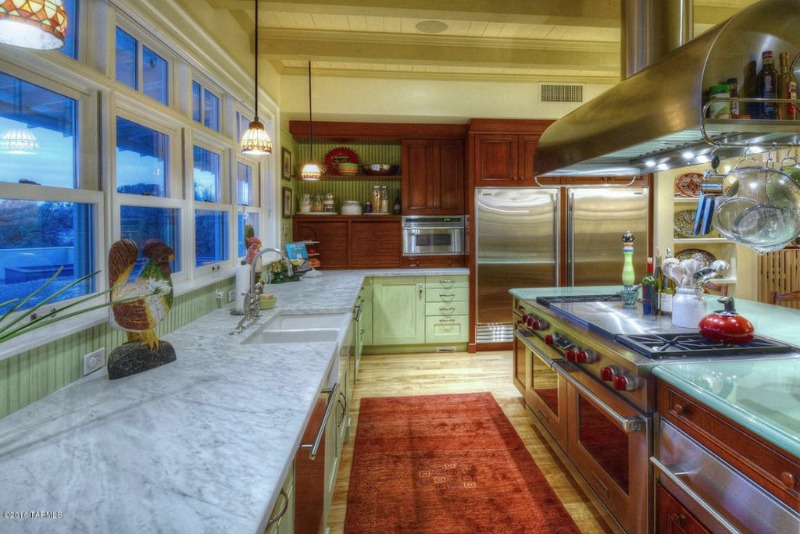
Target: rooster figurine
(137, 306)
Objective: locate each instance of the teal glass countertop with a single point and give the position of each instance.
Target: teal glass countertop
(760, 394)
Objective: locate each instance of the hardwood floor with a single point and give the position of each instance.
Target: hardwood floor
(460, 372)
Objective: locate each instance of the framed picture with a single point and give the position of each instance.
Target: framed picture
(286, 164)
(287, 202)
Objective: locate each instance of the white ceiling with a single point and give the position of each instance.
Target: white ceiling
(541, 40)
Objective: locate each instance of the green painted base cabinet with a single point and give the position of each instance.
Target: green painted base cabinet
(418, 311)
(398, 310)
(282, 518)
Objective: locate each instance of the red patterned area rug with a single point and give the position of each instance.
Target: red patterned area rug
(446, 464)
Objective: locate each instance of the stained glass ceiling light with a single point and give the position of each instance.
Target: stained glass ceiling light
(36, 24)
(19, 141)
(310, 171)
(255, 140)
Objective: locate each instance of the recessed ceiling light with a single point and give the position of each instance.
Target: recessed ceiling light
(431, 26)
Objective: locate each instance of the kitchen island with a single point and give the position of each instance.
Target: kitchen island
(765, 400)
(200, 445)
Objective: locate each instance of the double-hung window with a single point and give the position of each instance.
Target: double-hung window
(148, 186)
(246, 202)
(206, 106)
(48, 209)
(212, 207)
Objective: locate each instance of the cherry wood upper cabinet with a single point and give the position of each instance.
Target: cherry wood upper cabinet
(501, 152)
(433, 177)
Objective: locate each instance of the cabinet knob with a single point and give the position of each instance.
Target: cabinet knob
(680, 409)
(789, 480)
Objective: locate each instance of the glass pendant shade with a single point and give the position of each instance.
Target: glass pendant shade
(18, 141)
(36, 24)
(255, 140)
(311, 171)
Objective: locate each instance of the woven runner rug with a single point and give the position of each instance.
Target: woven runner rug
(445, 464)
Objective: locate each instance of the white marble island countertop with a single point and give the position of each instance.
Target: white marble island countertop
(199, 445)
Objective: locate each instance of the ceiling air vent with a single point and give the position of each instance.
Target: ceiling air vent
(560, 93)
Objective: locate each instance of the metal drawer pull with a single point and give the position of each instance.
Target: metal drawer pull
(664, 470)
(282, 512)
(628, 424)
(445, 309)
(314, 447)
(447, 283)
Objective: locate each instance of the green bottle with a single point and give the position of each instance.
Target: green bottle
(628, 274)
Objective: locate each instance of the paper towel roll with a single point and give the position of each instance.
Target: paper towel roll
(242, 284)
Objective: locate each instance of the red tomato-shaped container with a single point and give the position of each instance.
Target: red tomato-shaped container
(726, 326)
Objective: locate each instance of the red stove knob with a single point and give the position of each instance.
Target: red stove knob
(536, 324)
(549, 339)
(625, 383)
(588, 356)
(608, 373)
(571, 354)
(580, 355)
(525, 318)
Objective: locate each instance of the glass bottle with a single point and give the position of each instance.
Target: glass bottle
(768, 85)
(667, 290)
(787, 86)
(733, 85)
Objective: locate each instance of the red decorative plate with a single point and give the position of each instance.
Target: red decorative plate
(689, 184)
(335, 156)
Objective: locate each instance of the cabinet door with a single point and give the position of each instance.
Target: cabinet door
(672, 517)
(448, 163)
(375, 244)
(527, 150)
(332, 237)
(398, 310)
(366, 316)
(496, 159)
(417, 183)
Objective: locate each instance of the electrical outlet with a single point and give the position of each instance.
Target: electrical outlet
(285, 231)
(94, 361)
(231, 295)
(218, 293)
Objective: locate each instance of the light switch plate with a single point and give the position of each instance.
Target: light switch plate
(94, 361)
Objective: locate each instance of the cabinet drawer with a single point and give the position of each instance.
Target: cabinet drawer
(446, 282)
(446, 308)
(769, 467)
(455, 294)
(452, 329)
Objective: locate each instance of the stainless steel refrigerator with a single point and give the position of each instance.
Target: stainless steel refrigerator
(518, 243)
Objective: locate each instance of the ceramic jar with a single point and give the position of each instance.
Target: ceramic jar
(688, 307)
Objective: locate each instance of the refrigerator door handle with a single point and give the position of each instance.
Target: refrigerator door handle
(570, 252)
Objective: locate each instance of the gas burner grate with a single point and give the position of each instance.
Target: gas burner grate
(547, 301)
(665, 346)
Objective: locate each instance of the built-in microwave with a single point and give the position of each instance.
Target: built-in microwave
(430, 234)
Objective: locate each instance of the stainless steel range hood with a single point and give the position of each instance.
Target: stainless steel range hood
(654, 119)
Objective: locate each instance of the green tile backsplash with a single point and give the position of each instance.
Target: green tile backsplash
(34, 374)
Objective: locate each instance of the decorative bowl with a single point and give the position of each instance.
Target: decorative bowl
(268, 301)
(347, 169)
(380, 169)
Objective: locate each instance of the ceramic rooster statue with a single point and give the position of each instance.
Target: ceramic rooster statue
(138, 305)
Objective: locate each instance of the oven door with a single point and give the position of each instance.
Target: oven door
(610, 443)
(545, 389)
(432, 240)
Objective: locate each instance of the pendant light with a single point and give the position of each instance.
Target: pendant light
(40, 25)
(255, 140)
(311, 170)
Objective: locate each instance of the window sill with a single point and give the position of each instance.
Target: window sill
(39, 337)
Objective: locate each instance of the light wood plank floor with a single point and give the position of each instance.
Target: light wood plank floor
(460, 372)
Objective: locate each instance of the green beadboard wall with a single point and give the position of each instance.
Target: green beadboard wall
(34, 374)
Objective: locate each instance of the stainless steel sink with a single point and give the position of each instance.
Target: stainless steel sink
(285, 327)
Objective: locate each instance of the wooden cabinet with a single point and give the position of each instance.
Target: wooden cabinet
(352, 242)
(672, 517)
(501, 152)
(428, 262)
(398, 310)
(433, 177)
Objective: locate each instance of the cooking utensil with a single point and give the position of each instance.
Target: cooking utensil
(726, 326)
(761, 208)
(704, 274)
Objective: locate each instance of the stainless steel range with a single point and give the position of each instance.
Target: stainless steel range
(583, 364)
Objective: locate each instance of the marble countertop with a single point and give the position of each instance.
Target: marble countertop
(761, 394)
(200, 445)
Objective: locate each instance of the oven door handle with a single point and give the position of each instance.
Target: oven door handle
(675, 479)
(542, 356)
(628, 424)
